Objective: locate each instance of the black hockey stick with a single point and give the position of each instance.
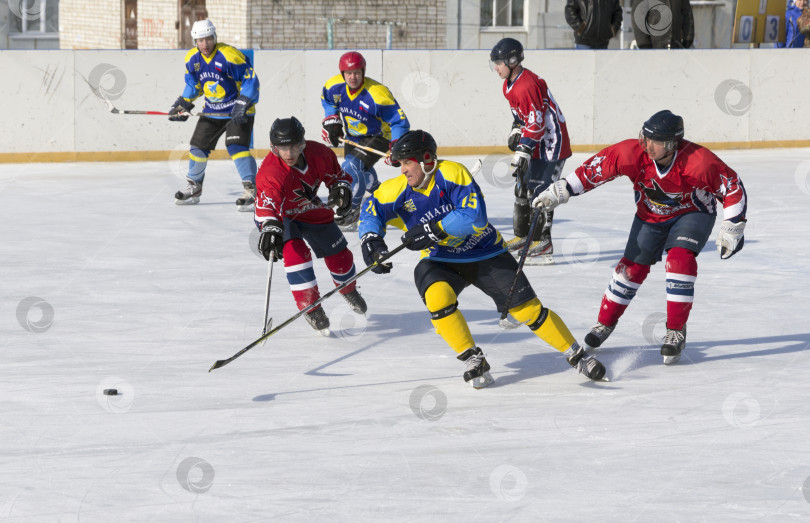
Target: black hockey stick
(504, 323)
(267, 324)
(221, 363)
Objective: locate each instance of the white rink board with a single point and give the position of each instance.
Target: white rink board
(724, 95)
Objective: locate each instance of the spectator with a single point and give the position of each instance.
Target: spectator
(793, 38)
(594, 22)
(662, 24)
(803, 23)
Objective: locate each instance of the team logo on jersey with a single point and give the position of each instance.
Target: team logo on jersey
(659, 197)
(214, 92)
(307, 193)
(336, 98)
(409, 206)
(197, 67)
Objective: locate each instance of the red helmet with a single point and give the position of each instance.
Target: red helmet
(352, 60)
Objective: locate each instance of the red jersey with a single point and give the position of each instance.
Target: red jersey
(694, 181)
(284, 192)
(542, 123)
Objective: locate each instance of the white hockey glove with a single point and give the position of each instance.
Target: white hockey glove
(520, 163)
(730, 239)
(556, 194)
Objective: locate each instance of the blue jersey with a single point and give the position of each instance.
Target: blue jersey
(370, 111)
(452, 198)
(221, 78)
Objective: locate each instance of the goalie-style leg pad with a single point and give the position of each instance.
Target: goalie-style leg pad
(545, 323)
(446, 318)
(681, 275)
(521, 217)
(300, 274)
(627, 278)
(341, 265)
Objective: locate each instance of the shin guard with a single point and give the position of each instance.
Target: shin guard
(300, 274)
(627, 278)
(681, 276)
(446, 318)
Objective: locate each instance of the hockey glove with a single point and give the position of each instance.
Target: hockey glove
(520, 163)
(340, 196)
(374, 248)
(423, 236)
(730, 239)
(332, 130)
(514, 137)
(181, 105)
(271, 240)
(557, 193)
(388, 160)
(239, 111)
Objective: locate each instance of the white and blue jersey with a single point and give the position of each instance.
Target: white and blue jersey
(452, 199)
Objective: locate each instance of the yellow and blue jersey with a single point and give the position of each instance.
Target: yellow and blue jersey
(370, 111)
(452, 198)
(221, 78)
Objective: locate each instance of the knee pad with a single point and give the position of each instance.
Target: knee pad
(531, 313)
(440, 300)
(681, 261)
(296, 252)
(632, 271)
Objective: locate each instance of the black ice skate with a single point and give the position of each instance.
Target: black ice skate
(477, 368)
(246, 202)
(674, 342)
(540, 251)
(599, 333)
(348, 222)
(190, 194)
(356, 302)
(515, 244)
(585, 363)
(319, 320)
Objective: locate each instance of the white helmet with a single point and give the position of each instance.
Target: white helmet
(203, 28)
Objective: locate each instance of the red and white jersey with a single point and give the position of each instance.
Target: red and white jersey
(694, 182)
(543, 125)
(284, 192)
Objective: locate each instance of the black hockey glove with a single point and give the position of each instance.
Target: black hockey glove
(514, 137)
(340, 196)
(374, 248)
(239, 111)
(520, 163)
(332, 130)
(181, 105)
(271, 240)
(423, 236)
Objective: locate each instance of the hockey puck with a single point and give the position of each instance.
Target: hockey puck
(111, 392)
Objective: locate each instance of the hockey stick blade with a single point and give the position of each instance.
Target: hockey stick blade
(507, 324)
(221, 363)
(476, 168)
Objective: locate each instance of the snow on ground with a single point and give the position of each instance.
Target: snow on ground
(107, 284)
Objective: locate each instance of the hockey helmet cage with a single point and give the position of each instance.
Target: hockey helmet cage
(202, 29)
(352, 60)
(286, 131)
(509, 51)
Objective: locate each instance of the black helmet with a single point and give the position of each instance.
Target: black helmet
(663, 126)
(509, 51)
(286, 131)
(414, 145)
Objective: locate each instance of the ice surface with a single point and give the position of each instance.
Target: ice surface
(107, 284)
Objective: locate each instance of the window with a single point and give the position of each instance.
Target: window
(34, 16)
(502, 13)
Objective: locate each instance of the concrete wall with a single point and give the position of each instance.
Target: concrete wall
(728, 97)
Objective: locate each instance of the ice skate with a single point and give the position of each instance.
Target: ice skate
(356, 302)
(585, 363)
(540, 252)
(319, 320)
(515, 244)
(674, 342)
(348, 223)
(477, 368)
(246, 202)
(599, 333)
(190, 194)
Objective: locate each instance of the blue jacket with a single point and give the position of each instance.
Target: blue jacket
(793, 38)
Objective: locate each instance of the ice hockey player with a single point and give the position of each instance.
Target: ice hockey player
(226, 80)
(677, 185)
(368, 112)
(289, 213)
(442, 210)
(539, 139)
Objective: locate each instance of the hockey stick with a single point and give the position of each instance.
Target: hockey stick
(363, 147)
(221, 363)
(476, 168)
(267, 323)
(504, 322)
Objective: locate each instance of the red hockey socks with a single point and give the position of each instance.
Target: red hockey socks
(300, 274)
(341, 265)
(681, 276)
(627, 278)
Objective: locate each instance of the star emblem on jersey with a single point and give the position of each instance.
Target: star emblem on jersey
(657, 195)
(307, 193)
